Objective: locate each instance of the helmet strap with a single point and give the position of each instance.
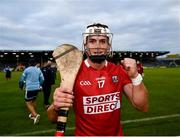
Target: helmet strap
(95, 58)
(98, 58)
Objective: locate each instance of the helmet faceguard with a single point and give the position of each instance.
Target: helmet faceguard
(97, 30)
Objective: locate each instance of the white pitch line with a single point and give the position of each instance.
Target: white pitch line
(150, 118)
(123, 122)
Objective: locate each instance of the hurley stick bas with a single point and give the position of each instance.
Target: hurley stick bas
(68, 59)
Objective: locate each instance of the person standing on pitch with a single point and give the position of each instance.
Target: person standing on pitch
(48, 74)
(7, 70)
(99, 86)
(33, 78)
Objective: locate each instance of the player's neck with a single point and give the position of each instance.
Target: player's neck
(97, 66)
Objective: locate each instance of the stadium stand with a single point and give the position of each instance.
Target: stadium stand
(18, 59)
(169, 62)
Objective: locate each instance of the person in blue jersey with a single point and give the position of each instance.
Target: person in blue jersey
(33, 79)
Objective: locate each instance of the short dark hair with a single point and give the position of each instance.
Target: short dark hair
(97, 25)
(32, 62)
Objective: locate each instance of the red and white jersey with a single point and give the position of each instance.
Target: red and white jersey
(98, 96)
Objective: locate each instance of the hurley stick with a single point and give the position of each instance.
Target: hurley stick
(68, 59)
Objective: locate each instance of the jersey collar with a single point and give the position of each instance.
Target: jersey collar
(88, 65)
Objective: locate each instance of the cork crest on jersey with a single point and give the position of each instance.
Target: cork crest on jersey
(115, 79)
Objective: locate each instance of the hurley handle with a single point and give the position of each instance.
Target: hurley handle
(61, 122)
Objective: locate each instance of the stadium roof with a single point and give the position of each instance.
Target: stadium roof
(121, 53)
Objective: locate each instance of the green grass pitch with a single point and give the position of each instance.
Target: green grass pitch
(164, 98)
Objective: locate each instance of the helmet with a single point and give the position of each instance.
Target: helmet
(97, 29)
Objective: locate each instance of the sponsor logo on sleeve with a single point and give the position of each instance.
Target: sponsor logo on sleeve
(101, 103)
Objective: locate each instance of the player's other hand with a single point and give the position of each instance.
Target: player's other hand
(130, 66)
(62, 98)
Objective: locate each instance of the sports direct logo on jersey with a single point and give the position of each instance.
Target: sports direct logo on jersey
(101, 103)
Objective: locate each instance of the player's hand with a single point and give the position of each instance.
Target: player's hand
(130, 66)
(62, 98)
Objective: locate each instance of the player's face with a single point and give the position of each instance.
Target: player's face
(97, 45)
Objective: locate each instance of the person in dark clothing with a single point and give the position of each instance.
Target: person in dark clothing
(53, 70)
(8, 73)
(49, 80)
